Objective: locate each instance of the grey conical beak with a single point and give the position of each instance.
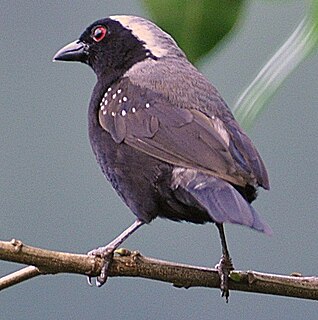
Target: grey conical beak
(74, 51)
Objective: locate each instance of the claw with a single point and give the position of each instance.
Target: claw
(89, 281)
(102, 278)
(224, 268)
(107, 252)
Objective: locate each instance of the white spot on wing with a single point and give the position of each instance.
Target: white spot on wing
(147, 105)
(123, 112)
(133, 109)
(125, 99)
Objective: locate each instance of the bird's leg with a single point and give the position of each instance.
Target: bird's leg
(107, 252)
(225, 265)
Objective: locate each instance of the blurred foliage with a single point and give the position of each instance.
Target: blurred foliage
(197, 25)
(302, 42)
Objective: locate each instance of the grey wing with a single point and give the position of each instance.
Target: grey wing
(184, 137)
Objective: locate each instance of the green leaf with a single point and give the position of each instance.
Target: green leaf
(302, 42)
(197, 25)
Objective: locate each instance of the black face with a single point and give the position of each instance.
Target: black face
(107, 47)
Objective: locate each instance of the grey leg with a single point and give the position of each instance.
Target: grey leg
(225, 265)
(107, 251)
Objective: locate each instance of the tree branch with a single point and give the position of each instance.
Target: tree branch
(132, 264)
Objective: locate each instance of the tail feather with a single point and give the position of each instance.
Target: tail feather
(224, 203)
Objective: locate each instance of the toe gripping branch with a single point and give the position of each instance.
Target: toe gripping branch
(225, 265)
(107, 252)
(224, 268)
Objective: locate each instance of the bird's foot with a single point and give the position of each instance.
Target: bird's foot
(106, 253)
(224, 268)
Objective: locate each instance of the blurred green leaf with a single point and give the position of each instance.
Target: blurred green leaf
(197, 25)
(302, 42)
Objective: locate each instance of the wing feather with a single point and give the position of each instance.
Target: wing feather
(187, 138)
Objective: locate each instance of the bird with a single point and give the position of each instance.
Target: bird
(163, 135)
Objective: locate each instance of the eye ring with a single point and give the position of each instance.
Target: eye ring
(99, 33)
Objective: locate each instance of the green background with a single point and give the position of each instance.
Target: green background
(53, 195)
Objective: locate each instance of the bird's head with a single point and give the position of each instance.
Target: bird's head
(115, 44)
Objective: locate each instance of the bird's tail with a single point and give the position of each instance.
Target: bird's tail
(224, 203)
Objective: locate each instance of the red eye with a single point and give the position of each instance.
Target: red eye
(99, 33)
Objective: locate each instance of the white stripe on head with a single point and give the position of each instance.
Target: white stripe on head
(155, 40)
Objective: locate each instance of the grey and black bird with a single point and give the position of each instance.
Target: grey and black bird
(163, 136)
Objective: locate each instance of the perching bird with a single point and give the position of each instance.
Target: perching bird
(163, 135)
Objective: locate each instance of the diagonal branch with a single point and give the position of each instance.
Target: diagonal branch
(19, 276)
(132, 264)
